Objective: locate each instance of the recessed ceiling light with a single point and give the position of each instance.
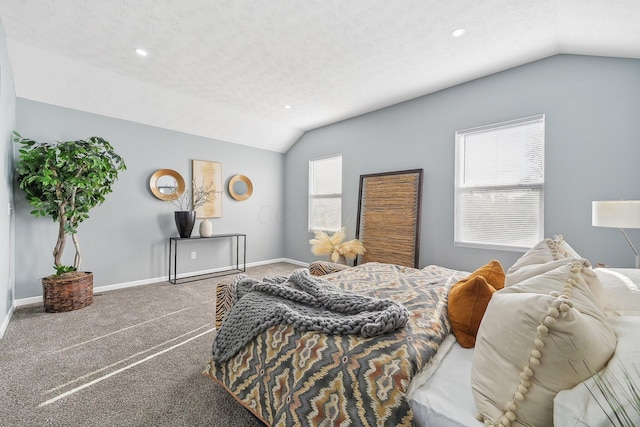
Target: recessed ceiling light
(458, 32)
(287, 106)
(140, 51)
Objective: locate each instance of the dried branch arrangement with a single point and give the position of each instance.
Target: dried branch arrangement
(334, 247)
(192, 199)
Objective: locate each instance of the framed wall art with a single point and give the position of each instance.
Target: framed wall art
(207, 174)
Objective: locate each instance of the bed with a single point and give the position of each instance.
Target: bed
(561, 313)
(287, 377)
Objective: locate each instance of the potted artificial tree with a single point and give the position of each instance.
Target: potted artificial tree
(64, 180)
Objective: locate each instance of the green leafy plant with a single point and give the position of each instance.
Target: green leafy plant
(62, 269)
(65, 180)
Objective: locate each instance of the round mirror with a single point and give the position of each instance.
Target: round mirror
(240, 187)
(166, 184)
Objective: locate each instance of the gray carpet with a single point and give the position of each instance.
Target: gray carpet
(133, 358)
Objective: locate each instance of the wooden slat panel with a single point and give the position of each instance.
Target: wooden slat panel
(389, 217)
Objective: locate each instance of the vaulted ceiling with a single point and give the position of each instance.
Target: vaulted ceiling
(262, 72)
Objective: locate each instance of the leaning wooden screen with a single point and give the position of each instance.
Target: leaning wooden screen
(388, 222)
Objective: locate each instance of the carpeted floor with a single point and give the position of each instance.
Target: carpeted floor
(133, 358)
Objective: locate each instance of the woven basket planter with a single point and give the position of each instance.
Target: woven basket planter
(67, 292)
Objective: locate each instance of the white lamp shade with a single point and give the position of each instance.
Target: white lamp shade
(618, 214)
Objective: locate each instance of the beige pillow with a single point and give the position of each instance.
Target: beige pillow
(591, 279)
(537, 338)
(544, 251)
(564, 248)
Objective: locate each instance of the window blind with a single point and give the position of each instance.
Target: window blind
(325, 194)
(499, 185)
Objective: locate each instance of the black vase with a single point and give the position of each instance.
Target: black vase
(184, 222)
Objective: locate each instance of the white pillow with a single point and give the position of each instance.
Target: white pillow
(528, 271)
(621, 288)
(578, 407)
(545, 251)
(534, 340)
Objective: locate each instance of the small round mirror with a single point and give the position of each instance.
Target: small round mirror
(166, 184)
(240, 187)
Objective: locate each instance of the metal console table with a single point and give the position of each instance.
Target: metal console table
(173, 257)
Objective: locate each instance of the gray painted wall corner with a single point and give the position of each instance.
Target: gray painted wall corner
(591, 106)
(7, 123)
(126, 238)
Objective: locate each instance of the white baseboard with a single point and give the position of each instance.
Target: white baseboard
(26, 301)
(293, 261)
(104, 288)
(273, 261)
(5, 322)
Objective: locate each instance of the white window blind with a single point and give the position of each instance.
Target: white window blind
(500, 185)
(325, 194)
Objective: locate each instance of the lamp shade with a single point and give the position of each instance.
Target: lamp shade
(618, 214)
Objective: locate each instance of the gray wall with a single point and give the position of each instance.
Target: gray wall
(7, 121)
(125, 239)
(592, 108)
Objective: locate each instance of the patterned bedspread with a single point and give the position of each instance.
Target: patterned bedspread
(291, 378)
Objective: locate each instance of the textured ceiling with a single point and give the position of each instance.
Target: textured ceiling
(225, 69)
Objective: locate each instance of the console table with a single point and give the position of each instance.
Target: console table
(173, 257)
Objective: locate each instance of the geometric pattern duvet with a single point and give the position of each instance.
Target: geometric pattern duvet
(291, 378)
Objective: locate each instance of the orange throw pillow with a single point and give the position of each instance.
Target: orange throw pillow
(469, 298)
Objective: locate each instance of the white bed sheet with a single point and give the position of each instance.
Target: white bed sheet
(445, 398)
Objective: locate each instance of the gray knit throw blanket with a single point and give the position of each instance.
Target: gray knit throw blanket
(306, 302)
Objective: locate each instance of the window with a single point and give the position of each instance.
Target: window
(499, 185)
(325, 194)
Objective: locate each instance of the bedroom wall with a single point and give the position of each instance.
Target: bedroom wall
(592, 150)
(7, 121)
(125, 239)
